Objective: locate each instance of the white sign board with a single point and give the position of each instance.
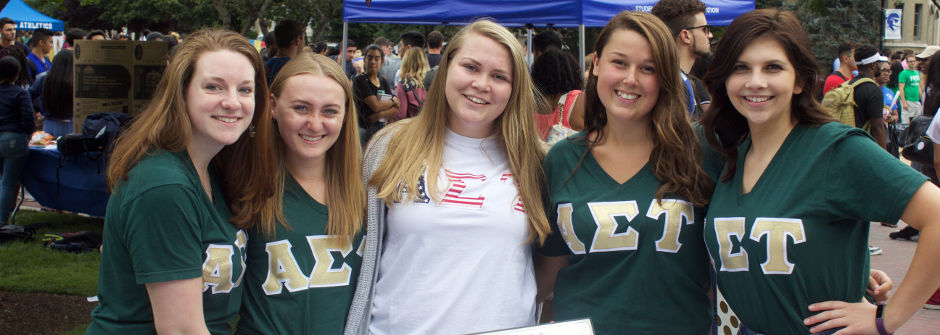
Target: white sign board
(576, 327)
(892, 24)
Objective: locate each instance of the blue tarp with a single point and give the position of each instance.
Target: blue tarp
(560, 13)
(718, 13)
(433, 12)
(28, 18)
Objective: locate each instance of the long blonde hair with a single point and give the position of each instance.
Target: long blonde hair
(345, 194)
(245, 167)
(414, 66)
(406, 161)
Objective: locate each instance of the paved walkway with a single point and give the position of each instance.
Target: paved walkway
(895, 260)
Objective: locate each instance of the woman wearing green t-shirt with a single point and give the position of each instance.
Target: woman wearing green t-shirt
(172, 258)
(787, 225)
(626, 195)
(303, 257)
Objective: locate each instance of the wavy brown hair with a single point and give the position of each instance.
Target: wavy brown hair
(345, 194)
(406, 160)
(676, 151)
(725, 127)
(246, 167)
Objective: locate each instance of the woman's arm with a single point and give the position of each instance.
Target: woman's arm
(546, 270)
(921, 280)
(177, 306)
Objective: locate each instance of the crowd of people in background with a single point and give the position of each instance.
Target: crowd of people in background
(435, 185)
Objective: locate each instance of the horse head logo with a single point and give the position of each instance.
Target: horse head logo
(893, 21)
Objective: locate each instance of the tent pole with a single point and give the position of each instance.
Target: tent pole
(342, 51)
(581, 47)
(528, 45)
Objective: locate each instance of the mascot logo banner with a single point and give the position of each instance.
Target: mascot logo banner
(892, 24)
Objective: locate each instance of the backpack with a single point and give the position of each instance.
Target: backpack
(76, 242)
(840, 102)
(105, 127)
(415, 96)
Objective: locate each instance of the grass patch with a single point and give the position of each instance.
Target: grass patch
(78, 330)
(30, 267)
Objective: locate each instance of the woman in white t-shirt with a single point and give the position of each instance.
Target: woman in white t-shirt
(455, 244)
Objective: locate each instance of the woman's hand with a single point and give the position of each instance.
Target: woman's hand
(853, 318)
(879, 284)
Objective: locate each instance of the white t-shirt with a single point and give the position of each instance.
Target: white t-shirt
(462, 265)
(933, 132)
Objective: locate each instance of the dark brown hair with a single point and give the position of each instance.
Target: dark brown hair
(725, 127)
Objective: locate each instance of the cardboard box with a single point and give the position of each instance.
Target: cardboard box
(115, 76)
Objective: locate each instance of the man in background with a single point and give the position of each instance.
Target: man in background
(692, 35)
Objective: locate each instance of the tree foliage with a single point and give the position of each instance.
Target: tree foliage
(829, 23)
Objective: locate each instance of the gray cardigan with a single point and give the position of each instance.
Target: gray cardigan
(360, 311)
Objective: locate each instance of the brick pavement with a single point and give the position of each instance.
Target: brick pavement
(895, 260)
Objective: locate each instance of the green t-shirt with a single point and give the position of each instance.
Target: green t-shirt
(637, 267)
(299, 281)
(160, 225)
(801, 235)
(911, 80)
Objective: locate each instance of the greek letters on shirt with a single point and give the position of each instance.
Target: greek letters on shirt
(675, 214)
(456, 195)
(329, 269)
(217, 270)
(775, 232)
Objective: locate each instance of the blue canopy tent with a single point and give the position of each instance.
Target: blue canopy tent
(28, 18)
(557, 13)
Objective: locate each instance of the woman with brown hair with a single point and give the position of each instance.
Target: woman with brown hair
(293, 285)
(185, 178)
(787, 225)
(627, 193)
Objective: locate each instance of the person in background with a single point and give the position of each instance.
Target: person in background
(289, 37)
(320, 48)
(455, 200)
(375, 100)
(96, 35)
(41, 45)
(189, 174)
(847, 65)
(557, 76)
(435, 44)
(53, 91)
(786, 240)
(891, 110)
(391, 63)
(72, 35)
(350, 55)
(410, 39)
(302, 257)
(23, 80)
(16, 124)
(8, 37)
(909, 87)
(410, 90)
(270, 46)
(544, 40)
(692, 35)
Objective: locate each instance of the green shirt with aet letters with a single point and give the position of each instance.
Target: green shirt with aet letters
(637, 266)
(160, 225)
(800, 235)
(299, 281)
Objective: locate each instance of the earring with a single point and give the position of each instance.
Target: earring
(251, 131)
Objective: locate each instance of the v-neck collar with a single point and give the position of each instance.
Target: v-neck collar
(592, 162)
(769, 171)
